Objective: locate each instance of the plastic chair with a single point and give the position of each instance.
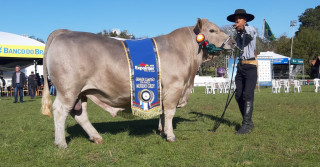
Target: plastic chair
(208, 89)
(317, 85)
(213, 87)
(286, 86)
(297, 86)
(276, 86)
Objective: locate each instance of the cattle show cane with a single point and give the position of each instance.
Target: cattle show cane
(218, 122)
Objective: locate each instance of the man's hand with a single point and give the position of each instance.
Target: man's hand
(240, 22)
(239, 26)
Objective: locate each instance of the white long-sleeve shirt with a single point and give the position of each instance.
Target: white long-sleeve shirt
(246, 40)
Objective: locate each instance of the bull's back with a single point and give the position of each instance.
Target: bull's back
(81, 61)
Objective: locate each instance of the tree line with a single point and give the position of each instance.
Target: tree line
(306, 42)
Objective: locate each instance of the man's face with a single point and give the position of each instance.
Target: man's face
(240, 22)
(240, 19)
(17, 69)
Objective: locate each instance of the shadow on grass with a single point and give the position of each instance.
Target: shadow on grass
(134, 127)
(216, 119)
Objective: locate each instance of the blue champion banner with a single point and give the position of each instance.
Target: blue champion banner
(143, 60)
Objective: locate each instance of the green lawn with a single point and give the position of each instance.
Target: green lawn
(286, 134)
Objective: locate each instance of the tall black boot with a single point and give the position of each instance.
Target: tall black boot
(247, 124)
(241, 106)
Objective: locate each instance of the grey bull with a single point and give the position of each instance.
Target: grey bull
(84, 65)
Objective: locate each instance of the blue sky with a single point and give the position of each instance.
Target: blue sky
(141, 17)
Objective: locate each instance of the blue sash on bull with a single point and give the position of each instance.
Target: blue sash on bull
(144, 64)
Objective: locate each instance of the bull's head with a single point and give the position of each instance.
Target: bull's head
(214, 35)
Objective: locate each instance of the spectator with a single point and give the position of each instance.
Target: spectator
(18, 82)
(52, 89)
(32, 84)
(2, 84)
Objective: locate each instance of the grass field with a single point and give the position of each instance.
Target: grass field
(286, 134)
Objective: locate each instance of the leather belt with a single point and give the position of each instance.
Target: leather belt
(252, 62)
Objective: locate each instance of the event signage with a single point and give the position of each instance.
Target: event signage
(280, 61)
(232, 63)
(296, 61)
(21, 51)
(264, 72)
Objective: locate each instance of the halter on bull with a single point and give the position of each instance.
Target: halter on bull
(85, 65)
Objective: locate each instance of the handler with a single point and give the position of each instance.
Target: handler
(246, 77)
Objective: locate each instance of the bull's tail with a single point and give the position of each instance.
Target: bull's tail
(46, 100)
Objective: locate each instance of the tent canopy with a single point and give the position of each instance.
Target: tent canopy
(277, 58)
(18, 50)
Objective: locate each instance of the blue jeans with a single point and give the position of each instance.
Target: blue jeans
(16, 89)
(32, 91)
(52, 90)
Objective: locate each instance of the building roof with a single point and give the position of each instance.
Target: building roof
(272, 55)
(18, 50)
(14, 39)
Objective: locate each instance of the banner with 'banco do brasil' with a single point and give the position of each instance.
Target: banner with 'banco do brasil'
(21, 51)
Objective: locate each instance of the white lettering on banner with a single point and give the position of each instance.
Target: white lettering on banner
(145, 68)
(145, 82)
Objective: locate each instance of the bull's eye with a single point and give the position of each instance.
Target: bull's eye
(211, 30)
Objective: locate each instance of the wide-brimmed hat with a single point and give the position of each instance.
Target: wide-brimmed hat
(241, 12)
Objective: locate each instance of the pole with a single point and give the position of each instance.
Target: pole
(292, 24)
(263, 30)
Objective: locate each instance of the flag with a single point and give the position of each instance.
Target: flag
(267, 32)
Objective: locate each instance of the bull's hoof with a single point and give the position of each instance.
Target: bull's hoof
(161, 133)
(96, 140)
(171, 139)
(61, 146)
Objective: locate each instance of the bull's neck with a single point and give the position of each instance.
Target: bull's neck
(195, 53)
(186, 36)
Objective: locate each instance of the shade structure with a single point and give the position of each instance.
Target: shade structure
(19, 50)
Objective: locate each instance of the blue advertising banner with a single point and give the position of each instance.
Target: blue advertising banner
(231, 63)
(280, 61)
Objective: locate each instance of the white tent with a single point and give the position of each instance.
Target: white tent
(19, 50)
(277, 58)
(280, 65)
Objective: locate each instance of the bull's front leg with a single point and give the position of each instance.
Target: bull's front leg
(168, 128)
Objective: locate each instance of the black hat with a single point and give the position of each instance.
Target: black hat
(242, 12)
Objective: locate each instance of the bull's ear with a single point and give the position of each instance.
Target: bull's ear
(198, 27)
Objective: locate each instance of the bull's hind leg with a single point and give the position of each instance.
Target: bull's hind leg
(81, 116)
(60, 114)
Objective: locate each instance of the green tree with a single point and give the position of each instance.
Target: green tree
(35, 38)
(123, 34)
(307, 46)
(283, 45)
(310, 18)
